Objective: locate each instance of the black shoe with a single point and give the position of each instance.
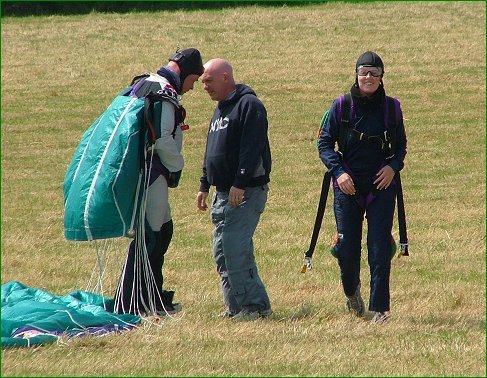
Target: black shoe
(169, 309)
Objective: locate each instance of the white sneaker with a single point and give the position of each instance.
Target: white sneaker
(380, 317)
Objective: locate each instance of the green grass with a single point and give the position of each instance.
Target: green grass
(60, 72)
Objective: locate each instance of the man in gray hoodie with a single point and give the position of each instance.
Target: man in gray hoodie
(238, 163)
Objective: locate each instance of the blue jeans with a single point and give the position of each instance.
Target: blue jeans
(233, 249)
(349, 218)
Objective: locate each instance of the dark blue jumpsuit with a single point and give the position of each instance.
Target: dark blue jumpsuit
(362, 160)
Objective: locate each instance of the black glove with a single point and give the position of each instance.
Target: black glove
(173, 179)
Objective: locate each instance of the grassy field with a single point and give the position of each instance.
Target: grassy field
(59, 73)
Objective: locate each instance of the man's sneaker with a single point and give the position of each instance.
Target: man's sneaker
(246, 315)
(228, 314)
(380, 317)
(355, 303)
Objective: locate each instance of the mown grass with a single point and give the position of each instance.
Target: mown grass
(59, 73)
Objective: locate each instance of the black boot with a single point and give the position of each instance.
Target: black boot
(125, 293)
(135, 296)
(131, 295)
(163, 239)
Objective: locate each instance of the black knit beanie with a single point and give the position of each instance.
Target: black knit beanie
(371, 59)
(189, 62)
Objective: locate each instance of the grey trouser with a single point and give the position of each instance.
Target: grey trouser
(233, 249)
(158, 211)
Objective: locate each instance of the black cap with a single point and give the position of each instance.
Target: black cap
(189, 62)
(371, 59)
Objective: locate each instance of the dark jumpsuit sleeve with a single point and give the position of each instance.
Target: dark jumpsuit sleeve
(327, 141)
(397, 162)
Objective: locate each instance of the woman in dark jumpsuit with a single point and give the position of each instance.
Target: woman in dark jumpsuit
(363, 181)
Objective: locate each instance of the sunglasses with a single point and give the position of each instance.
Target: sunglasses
(365, 70)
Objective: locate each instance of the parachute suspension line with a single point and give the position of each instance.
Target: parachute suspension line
(96, 269)
(102, 261)
(118, 318)
(119, 292)
(101, 265)
(141, 264)
(153, 294)
(89, 284)
(147, 282)
(138, 234)
(143, 289)
(99, 284)
(143, 267)
(136, 296)
(136, 199)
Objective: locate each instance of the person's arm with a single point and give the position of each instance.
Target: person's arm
(169, 148)
(386, 174)
(204, 184)
(397, 162)
(327, 141)
(326, 148)
(254, 126)
(204, 187)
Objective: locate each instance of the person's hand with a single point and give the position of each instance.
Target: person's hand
(201, 200)
(384, 177)
(345, 183)
(235, 196)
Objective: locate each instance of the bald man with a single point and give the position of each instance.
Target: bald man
(237, 163)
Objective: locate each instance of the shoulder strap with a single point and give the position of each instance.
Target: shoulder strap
(344, 110)
(150, 99)
(325, 186)
(391, 122)
(401, 217)
(138, 78)
(148, 117)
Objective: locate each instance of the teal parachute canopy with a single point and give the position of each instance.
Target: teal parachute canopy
(102, 185)
(33, 316)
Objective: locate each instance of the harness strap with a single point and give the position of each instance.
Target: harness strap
(148, 116)
(401, 217)
(325, 186)
(345, 109)
(391, 125)
(381, 138)
(138, 77)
